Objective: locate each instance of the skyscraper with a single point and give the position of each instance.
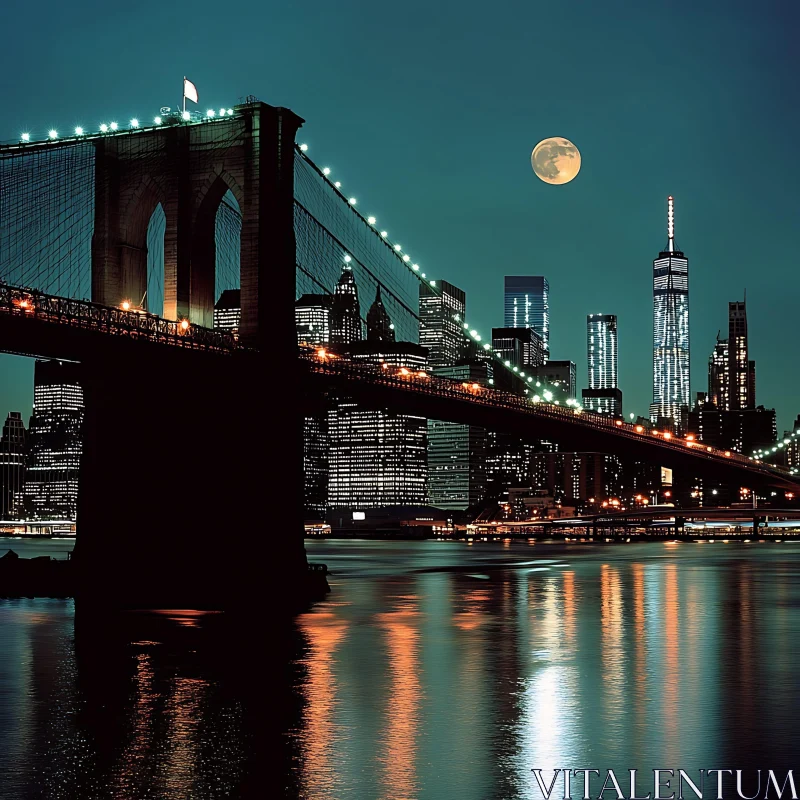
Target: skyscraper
(12, 466)
(731, 373)
(741, 370)
(377, 457)
(345, 318)
(312, 316)
(718, 377)
(55, 444)
(603, 394)
(439, 330)
(527, 305)
(670, 329)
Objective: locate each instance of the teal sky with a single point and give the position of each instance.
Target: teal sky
(428, 112)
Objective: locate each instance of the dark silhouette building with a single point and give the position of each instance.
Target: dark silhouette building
(578, 478)
(12, 466)
(379, 326)
(345, 315)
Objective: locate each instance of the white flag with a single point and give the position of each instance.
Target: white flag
(189, 90)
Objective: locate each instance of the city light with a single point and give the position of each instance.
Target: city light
(338, 184)
(639, 429)
(398, 248)
(184, 324)
(384, 234)
(126, 305)
(230, 112)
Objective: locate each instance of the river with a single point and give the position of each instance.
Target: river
(434, 670)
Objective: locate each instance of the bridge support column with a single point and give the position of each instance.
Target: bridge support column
(189, 492)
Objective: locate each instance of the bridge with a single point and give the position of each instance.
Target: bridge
(192, 435)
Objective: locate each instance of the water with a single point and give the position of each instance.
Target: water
(434, 670)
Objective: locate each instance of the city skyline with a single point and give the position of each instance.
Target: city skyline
(473, 226)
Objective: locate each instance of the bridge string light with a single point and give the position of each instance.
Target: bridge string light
(404, 257)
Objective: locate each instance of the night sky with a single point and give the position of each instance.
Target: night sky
(428, 111)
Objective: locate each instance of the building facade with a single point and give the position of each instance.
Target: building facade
(603, 394)
(312, 316)
(521, 347)
(54, 442)
(440, 323)
(457, 453)
(671, 393)
(559, 374)
(345, 315)
(377, 457)
(578, 478)
(228, 311)
(12, 466)
(527, 305)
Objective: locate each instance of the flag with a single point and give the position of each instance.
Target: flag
(189, 90)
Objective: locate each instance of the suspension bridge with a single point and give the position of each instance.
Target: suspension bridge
(114, 245)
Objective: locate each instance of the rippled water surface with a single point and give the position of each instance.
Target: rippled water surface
(434, 670)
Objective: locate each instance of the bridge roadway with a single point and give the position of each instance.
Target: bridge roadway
(419, 393)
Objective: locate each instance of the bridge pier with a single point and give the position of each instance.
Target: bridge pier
(191, 491)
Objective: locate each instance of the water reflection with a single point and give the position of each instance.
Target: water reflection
(428, 674)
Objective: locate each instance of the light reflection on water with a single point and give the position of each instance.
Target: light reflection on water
(434, 670)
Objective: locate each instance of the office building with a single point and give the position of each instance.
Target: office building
(527, 305)
(457, 453)
(345, 315)
(577, 478)
(377, 457)
(440, 323)
(603, 394)
(12, 466)
(559, 376)
(54, 442)
(731, 373)
(671, 394)
(521, 347)
(718, 376)
(228, 311)
(312, 316)
(742, 431)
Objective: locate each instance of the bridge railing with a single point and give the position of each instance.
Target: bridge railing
(34, 305)
(422, 381)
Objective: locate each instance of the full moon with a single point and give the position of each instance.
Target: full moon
(556, 160)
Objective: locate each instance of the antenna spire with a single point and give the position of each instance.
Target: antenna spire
(671, 224)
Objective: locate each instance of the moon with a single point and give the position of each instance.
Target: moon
(556, 160)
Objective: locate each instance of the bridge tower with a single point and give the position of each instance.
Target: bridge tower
(191, 480)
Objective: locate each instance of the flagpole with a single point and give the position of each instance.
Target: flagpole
(184, 95)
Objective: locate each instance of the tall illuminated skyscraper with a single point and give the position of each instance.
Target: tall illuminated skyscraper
(440, 329)
(527, 305)
(670, 329)
(603, 394)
